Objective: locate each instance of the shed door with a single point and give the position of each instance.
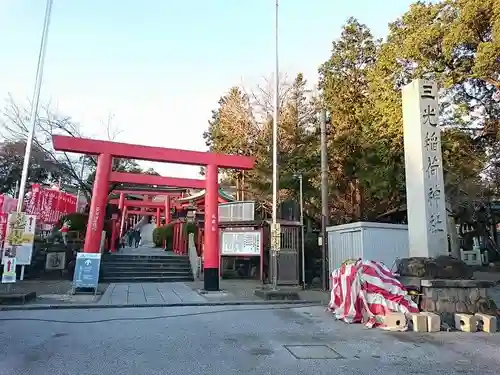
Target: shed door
(288, 257)
(344, 245)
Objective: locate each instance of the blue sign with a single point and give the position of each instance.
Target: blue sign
(87, 270)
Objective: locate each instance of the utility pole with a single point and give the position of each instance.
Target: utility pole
(324, 200)
(275, 251)
(81, 179)
(16, 190)
(303, 255)
(34, 106)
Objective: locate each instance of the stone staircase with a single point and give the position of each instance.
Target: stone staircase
(119, 268)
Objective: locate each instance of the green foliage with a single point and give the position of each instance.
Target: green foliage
(41, 168)
(457, 44)
(365, 171)
(190, 228)
(241, 126)
(78, 221)
(162, 234)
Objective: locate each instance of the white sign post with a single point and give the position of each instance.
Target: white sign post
(19, 239)
(276, 237)
(425, 196)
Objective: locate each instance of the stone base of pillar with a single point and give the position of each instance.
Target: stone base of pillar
(211, 279)
(442, 267)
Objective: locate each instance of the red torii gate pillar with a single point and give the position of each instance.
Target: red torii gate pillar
(98, 202)
(121, 206)
(211, 256)
(158, 218)
(168, 218)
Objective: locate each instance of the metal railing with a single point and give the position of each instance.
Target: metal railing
(194, 259)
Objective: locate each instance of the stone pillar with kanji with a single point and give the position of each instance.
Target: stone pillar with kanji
(425, 196)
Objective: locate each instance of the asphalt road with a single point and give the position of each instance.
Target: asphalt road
(232, 340)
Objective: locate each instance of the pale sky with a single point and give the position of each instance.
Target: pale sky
(160, 66)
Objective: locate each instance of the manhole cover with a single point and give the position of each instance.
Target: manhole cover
(219, 293)
(261, 351)
(312, 352)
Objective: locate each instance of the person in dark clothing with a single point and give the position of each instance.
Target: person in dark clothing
(130, 237)
(137, 238)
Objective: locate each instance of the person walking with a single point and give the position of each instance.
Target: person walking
(137, 238)
(122, 243)
(130, 237)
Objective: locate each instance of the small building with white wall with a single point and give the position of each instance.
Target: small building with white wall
(379, 242)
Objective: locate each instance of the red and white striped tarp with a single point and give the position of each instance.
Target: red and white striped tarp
(365, 291)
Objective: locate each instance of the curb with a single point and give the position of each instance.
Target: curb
(143, 305)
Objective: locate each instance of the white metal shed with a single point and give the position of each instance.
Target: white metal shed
(370, 241)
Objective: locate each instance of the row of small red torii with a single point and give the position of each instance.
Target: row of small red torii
(105, 151)
(137, 208)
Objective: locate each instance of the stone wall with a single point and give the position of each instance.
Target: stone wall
(447, 297)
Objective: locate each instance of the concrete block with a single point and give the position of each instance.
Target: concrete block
(394, 320)
(433, 321)
(269, 295)
(419, 322)
(16, 298)
(465, 322)
(486, 323)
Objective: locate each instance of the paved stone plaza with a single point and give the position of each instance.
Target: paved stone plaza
(149, 293)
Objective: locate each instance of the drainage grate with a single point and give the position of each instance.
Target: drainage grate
(312, 352)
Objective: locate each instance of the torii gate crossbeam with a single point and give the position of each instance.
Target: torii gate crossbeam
(147, 179)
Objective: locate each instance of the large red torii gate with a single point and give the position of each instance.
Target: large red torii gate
(106, 150)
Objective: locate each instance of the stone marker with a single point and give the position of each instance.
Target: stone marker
(425, 197)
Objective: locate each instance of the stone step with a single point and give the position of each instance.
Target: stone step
(138, 262)
(136, 273)
(127, 259)
(147, 266)
(138, 255)
(147, 279)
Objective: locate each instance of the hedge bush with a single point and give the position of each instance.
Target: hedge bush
(162, 234)
(166, 233)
